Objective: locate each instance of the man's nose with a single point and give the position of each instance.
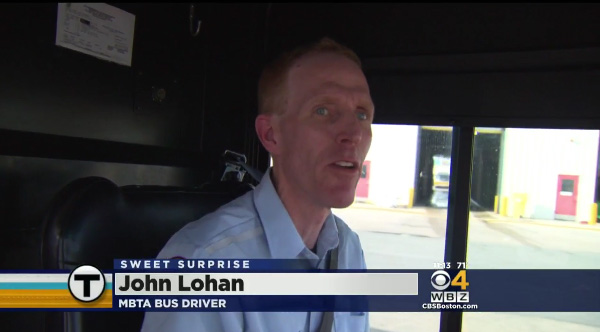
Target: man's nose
(350, 130)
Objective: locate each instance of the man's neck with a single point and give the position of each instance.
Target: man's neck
(307, 217)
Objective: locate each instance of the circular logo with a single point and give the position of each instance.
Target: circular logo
(440, 280)
(86, 283)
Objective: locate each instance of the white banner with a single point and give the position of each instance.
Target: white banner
(266, 284)
(40, 277)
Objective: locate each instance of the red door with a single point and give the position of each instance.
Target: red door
(362, 189)
(566, 197)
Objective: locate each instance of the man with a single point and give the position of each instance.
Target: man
(315, 120)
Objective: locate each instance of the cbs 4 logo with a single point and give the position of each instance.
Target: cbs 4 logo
(441, 280)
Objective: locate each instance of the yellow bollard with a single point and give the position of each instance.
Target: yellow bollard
(496, 204)
(594, 214)
(504, 206)
(519, 202)
(411, 197)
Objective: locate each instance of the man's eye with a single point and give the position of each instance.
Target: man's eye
(322, 111)
(362, 116)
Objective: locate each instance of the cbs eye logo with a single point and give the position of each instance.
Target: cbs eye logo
(441, 280)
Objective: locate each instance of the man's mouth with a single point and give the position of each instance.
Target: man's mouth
(349, 165)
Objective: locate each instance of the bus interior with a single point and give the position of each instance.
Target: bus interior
(485, 139)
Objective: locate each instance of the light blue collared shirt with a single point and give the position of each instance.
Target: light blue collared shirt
(257, 226)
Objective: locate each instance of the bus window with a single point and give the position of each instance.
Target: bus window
(533, 195)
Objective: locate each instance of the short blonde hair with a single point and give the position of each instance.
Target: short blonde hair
(271, 85)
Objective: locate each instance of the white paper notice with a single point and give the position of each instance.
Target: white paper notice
(96, 29)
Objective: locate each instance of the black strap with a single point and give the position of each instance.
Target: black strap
(327, 322)
(333, 260)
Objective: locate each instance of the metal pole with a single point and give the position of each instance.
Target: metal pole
(458, 211)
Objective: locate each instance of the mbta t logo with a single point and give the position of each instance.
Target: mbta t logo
(86, 283)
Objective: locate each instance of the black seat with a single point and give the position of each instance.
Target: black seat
(93, 221)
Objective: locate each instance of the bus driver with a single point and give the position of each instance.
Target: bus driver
(315, 115)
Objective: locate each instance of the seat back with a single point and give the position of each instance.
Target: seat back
(93, 221)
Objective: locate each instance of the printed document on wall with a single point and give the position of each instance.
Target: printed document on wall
(97, 29)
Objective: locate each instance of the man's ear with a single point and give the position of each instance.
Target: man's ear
(266, 132)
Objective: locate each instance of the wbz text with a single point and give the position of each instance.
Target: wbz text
(445, 297)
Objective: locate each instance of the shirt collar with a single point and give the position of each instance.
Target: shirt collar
(282, 237)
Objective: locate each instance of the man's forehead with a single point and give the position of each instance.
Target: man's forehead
(329, 60)
(328, 71)
(330, 89)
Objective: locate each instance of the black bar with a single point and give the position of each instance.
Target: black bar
(459, 198)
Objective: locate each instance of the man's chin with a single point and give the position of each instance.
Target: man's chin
(342, 202)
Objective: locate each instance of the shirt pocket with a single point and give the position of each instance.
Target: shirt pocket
(274, 321)
(350, 321)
